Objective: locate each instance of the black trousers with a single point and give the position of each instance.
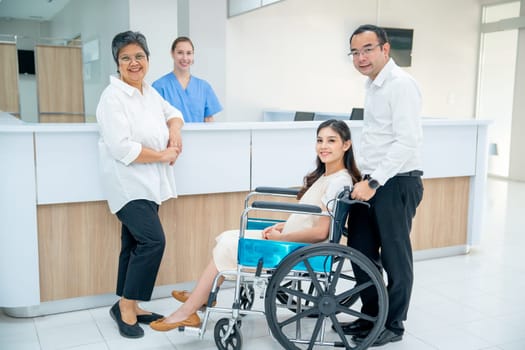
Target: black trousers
(382, 232)
(143, 243)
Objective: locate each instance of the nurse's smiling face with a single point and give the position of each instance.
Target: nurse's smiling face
(183, 55)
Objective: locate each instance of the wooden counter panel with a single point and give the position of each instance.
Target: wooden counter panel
(442, 216)
(79, 243)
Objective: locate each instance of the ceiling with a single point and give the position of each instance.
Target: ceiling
(35, 10)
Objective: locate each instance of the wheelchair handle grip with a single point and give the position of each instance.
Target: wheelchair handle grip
(277, 190)
(307, 208)
(354, 201)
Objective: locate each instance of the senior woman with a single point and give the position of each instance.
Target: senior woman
(140, 138)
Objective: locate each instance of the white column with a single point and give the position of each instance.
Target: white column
(517, 161)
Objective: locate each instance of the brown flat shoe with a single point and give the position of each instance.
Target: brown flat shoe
(161, 326)
(183, 295)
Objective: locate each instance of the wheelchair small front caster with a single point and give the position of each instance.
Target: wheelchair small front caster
(233, 341)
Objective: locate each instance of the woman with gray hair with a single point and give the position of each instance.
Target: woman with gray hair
(140, 140)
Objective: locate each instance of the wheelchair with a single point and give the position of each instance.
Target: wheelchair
(305, 286)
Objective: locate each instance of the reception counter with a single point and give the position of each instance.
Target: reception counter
(60, 243)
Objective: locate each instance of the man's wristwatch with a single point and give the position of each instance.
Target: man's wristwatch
(373, 183)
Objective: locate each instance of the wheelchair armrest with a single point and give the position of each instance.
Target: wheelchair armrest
(277, 190)
(306, 208)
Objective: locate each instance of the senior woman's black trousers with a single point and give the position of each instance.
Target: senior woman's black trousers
(143, 243)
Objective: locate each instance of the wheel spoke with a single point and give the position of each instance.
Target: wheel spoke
(353, 291)
(335, 275)
(298, 294)
(315, 333)
(313, 276)
(339, 331)
(298, 316)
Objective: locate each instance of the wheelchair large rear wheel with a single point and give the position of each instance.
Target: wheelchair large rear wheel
(326, 267)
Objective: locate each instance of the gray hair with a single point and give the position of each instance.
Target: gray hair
(125, 38)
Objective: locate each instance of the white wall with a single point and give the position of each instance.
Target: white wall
(292, 55)
(207, 30)
(97, 20)
(157, 20)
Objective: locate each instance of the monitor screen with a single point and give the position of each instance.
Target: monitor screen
(357, 114)
(26, 62)
(304, 116)
(400, 45)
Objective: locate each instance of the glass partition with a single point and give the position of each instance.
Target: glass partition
(237, 7)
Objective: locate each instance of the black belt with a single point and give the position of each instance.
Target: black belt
(414, 173)
(411, 173)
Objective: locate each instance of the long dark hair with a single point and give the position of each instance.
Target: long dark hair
(342, 129)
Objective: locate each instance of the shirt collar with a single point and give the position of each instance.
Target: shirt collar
(126, 88)
(383, 74)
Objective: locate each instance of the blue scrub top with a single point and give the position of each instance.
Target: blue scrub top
(195, 102)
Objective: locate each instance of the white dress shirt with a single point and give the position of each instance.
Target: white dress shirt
(392, 135)
(129, 120)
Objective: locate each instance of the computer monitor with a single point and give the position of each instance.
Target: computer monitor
(304, 116)
(357, 114)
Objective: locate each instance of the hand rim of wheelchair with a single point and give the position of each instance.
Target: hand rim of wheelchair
(234, 339)
(328, 304)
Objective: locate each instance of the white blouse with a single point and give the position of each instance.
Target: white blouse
(129, 120)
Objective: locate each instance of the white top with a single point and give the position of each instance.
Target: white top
(127, 121)
(322, 193)
(392, 136)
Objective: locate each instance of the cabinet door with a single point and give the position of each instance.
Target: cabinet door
(9, 101)
(60, 84)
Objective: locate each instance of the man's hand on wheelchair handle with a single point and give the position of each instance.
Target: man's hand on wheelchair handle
(362, 191)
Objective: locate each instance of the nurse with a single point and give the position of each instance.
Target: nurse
(189, 94)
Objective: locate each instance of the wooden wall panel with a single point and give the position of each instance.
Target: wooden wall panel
(60, 83)
(79, 243)
(9, 100)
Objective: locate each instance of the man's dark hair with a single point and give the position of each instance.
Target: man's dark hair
(380, 32)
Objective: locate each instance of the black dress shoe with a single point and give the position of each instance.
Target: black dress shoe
(385, 337)
(147, 319)
(125, 330)
(357, 327)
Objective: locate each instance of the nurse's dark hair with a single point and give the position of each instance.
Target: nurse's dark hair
(382, 37)
(181, 39)
(125, 38)
(341, 128)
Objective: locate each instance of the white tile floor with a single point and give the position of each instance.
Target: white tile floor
(468, 302)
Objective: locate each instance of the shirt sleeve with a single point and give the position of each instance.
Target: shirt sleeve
(335, 186)
(115, 130)
(213, 106)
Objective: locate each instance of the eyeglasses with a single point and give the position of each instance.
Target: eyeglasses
(138, 57)
(365, 51)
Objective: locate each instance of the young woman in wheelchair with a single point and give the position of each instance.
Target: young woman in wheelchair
(336, 169)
